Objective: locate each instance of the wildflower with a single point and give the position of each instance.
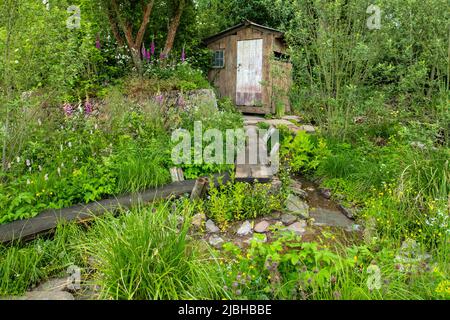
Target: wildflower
(18, 159)
(28, 181)
(69, 144)
(46, 177)
(183, 55)
(8, 165)
(40, 168)
(159, 99)
(234, 284)
(97, 43)
(152, 48)
(68, 109)
(28, 162)
(148, 55)
(238, 292)
(88, 107)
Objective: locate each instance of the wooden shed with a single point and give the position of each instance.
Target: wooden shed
(250, 65)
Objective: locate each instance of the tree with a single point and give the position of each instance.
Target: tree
(173, 27)
(119, 17)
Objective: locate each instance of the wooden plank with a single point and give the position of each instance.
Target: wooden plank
(249, 72)
(47, 221)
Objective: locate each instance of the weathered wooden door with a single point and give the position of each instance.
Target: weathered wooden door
(249, 72)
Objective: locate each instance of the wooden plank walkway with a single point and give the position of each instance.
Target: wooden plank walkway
(47, 221)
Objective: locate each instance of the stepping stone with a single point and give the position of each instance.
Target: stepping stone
(296, 206)
(57, 284)
(245, 229)
(262, 227)
(332, 218)
(198, 219)
(262, 238)
(47, 295)
(326, 193)
(288, 219)
(297, 227)
(211, 226)
(308, 128)
(215, 241)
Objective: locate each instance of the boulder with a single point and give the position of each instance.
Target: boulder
(297, 227)
(262, 227)
(296, 206)
(211, 226)
(198, 220)
(216, 241)
(288, 219)
(244, 229)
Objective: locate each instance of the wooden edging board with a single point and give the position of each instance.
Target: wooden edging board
(47, 221)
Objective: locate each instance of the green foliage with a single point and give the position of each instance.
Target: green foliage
(145, 255)
(239, 201)
(301, 152)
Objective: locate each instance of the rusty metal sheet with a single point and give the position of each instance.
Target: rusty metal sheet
(249, 72)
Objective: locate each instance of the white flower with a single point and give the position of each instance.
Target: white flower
(28, 163)
(28, 181)
(18, 159)
(69, 144)
(40, 168)
(46, 177)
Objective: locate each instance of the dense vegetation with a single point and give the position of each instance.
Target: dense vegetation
(82, 119)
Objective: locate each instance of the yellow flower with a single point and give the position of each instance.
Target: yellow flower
(355, 258)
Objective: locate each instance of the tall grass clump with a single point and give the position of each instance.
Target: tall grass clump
(145, 254)
(25, 265)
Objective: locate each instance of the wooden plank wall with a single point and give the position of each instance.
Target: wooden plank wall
(225, 79)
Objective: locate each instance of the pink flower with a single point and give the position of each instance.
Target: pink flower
(88, 108)
(183, 55)
(152, 47)
(97, 43)
(68, 109)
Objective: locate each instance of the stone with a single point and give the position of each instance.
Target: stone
(275, 186)
(198, 220)
(262, 226)
(211, 226)
(347, 212)
(262, 238)
(418, 145)
(308, 128)
(47, 295)
(57, 284)
(245, 229)
(297, 227)
(288, 219)
(215, 241)
(332, 218)
(301, 193)
(326, 193)
(296, 206)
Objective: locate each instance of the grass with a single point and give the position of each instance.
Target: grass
(145, 254)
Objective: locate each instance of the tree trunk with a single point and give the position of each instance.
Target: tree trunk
(173, 27)
(134, 43)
